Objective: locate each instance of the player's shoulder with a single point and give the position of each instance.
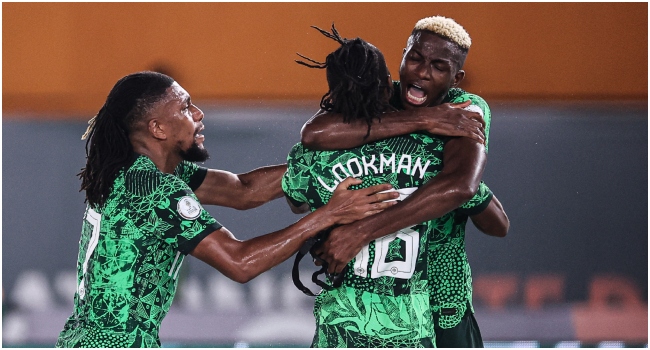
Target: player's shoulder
(184, 168)
(143, 178)
(190, 173)
(457, 95)
(298, 147)
(297, 151)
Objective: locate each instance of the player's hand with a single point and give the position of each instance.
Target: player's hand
(347, 206)
(453, 119)
(341, 246)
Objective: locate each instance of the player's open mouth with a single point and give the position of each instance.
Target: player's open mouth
(415, 95)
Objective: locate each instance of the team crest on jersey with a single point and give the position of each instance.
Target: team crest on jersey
(188, 208)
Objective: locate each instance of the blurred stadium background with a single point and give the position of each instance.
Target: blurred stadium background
(568, 88)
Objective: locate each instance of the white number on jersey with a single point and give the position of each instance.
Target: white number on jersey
(398, 269)
(94, 219)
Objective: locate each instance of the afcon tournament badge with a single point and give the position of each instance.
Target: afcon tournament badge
(188, 208)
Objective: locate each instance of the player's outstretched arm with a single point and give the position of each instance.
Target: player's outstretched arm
(328, 131)
(242, 191)
(492, 220)
(242, 261)
(464, 162)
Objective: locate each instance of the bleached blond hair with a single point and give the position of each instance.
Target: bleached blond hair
(447, 28)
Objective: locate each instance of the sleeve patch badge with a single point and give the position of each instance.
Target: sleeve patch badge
(188, 208)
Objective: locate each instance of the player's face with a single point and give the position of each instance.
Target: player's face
(185, 124)
(428, 70)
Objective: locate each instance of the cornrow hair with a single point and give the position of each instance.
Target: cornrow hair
(356, 77)
(108, 148)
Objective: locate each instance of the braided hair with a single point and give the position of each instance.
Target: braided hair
(356, 77)
(108, 148)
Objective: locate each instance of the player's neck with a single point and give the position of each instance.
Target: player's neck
(164, 160)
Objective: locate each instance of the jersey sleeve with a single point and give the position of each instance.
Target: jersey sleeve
(179, 217)
(478, 105)
(295, 180)
(192, 174)
(479, 202)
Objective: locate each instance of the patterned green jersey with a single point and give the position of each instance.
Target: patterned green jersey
(384, 299)
(449, 270)
(130, 252)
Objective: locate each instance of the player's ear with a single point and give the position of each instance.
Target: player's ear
(156, 129)
(460, 75)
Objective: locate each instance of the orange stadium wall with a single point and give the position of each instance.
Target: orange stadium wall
(65, 57)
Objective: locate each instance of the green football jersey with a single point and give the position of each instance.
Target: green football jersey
(130, 252)
(449, 271)
(190, 173)
(384, 299)
(457, 95)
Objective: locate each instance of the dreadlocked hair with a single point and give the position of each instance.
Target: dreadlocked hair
(356, 77)
(108, 148)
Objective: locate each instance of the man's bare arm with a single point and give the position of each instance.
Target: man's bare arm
(327, 131)
(464, 162)
(242, 261)
(242, 191)
(493, 220)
